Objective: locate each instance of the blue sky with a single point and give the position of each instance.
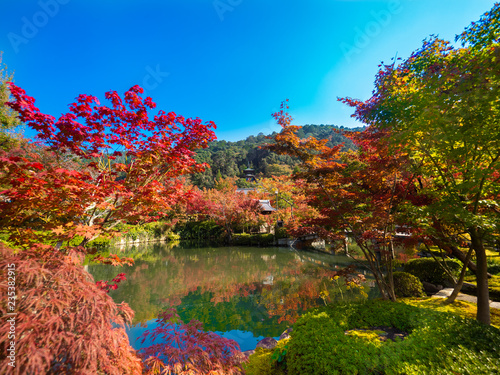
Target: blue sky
(228, 61)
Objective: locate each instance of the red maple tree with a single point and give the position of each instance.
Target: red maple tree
(187, 349)
(124, 167)
(94, 167)
(229, 208)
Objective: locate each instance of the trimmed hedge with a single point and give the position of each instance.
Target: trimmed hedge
(427, 269)
(438, 343)
(494, 266)
(194, 230)
(246, 239)
(407, 285)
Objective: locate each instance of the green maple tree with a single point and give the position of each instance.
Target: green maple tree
(441, 107)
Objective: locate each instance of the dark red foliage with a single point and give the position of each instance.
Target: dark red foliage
(184, 349)
(64, 324)
(104, 285)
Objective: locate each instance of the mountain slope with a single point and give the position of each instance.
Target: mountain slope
(229, 159)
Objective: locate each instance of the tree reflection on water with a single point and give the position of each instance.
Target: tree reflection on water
(260, 290)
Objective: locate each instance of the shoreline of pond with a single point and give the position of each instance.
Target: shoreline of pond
(237, 290)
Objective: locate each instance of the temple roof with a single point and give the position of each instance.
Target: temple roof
(265, 206)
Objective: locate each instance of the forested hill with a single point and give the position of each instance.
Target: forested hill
(229, 159)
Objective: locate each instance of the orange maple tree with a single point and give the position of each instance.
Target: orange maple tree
(287, 195)
(357, 192)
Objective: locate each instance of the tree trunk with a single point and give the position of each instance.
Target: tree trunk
(461, 257)
(460, 281)
(443, 242)
(483, 300)
(455, 251)
(374, 269)
(390, 286)
(390, 276)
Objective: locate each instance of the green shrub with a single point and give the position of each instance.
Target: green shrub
(265, 239)
(407, 285)
(246, 239)
(281, 233)
(155, 230)
(242, 239)
(100, 243)
(494, 266)
(194, 230)
(172, 236)
(367, 334)
(267, 361)
(4, 238)
(427, 269)
(437, 342)
(259, 363)
(319, 345)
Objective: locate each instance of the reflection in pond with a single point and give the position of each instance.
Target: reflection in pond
(244, 292)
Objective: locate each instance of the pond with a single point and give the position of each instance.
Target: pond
(242, 293)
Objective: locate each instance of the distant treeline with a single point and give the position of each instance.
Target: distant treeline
(230, 159)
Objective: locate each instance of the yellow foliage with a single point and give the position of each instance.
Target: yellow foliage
(461, 308)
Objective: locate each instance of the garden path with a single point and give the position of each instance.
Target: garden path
(446, 292)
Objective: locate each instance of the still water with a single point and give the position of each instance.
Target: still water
(242, 293)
